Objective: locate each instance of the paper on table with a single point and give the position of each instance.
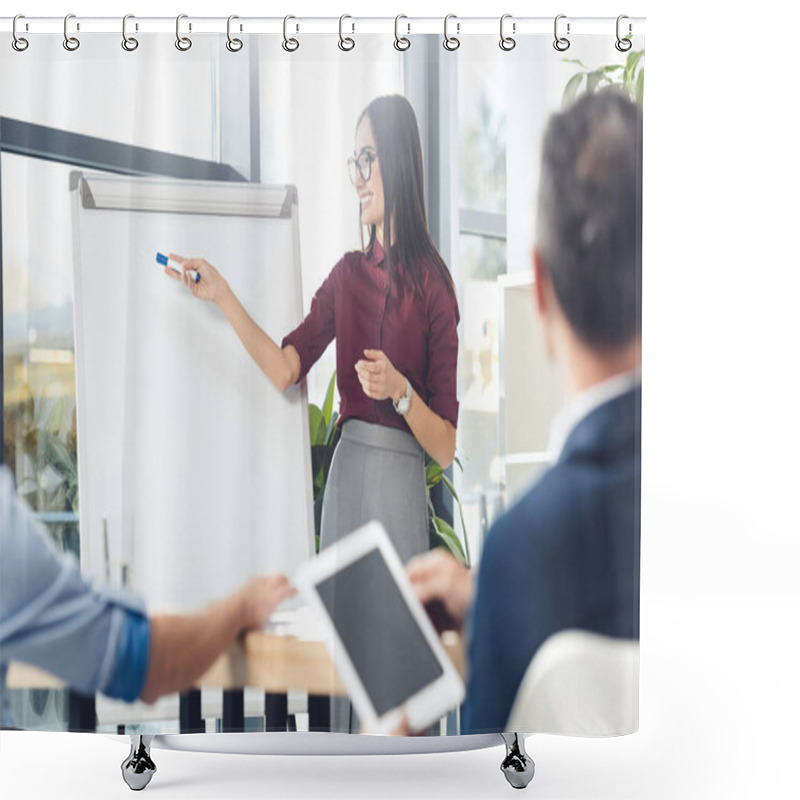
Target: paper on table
(303, 623)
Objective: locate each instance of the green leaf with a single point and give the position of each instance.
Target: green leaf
(320, 496)
(433, 472)
(633, 59)
(612, 67)
(316, 425)
(318, 462)
(333, 433)
(592, 81)
(450, 539)
(327, 406)
(575, 61)
(56, 416)
(448, 483)
(59, 457)
(571, 90)
(640, 87)
(630, 67)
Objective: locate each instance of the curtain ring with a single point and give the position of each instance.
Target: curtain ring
(451, 42)
(622, 44)
(129, 43)
(345, 42)
(19, 43)
(561, 43)
(507, 42)
(401, 43)
(289, 44)
(183, 43)
(233, 44)
(70, 42)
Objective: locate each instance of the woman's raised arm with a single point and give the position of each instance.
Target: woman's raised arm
(280, 365)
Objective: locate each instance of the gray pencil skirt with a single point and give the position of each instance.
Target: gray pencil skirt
(378, 473)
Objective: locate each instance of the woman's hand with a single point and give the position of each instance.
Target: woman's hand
(211, 285)
(379, 379)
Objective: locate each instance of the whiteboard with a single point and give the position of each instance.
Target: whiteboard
(194, 471)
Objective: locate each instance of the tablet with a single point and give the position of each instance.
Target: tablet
(383, 645)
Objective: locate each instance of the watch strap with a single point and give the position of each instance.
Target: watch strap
(404, 403)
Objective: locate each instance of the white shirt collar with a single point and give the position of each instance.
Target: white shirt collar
(583, 404)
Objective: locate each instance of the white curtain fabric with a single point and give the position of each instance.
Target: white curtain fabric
(277, 118)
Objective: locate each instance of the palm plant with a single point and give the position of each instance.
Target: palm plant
(325, 435)
(628, 76)
(441, 533)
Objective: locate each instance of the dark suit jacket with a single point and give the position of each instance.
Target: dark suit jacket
(565, 556)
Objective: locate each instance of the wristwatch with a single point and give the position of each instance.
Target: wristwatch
(404, 403)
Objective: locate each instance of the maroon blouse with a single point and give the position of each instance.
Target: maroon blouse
(418, 336)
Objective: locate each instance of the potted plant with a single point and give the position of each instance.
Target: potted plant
(628, 76)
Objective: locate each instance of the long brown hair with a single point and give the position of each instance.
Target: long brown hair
(396, 134)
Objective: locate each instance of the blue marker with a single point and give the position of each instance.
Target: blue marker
(175, 266)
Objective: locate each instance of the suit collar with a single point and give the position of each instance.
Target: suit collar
(583, 404)
(612, 424)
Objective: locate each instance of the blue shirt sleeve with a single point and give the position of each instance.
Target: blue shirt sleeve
(51, 617)
(130, 671)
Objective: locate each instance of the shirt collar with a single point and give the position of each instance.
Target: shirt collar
(375, 255)
(583, 404)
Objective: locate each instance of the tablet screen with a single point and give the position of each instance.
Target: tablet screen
(382, 638)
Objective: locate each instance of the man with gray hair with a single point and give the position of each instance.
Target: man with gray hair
(566, 556)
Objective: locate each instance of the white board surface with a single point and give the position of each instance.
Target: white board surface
(194, 470)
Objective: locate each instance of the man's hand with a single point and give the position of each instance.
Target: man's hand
(444, 586)
(261, 596)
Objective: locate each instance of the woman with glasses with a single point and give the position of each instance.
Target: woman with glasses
(392, 309)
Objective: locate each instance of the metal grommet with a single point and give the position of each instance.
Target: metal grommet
(289, 44)
(623, 44)
(19, 43)
(506, 42)
(183, 43)
(401, 43)
(345, 42)
(71, 43)
(129, 43)
(451, 42)
(561, 43)
(233, 44)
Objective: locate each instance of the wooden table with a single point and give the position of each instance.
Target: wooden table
(275, 663)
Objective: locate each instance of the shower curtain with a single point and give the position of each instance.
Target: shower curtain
(150, 439)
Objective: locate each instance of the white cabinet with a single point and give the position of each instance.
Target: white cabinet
(529, 393)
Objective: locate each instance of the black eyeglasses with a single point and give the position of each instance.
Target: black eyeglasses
(363, 163)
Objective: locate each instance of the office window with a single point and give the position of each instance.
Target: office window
(39, 432)
(39, 411)
(481, 258)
